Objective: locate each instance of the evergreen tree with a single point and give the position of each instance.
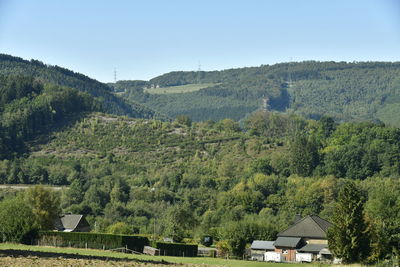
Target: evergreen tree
(348, 238)
(304, 155)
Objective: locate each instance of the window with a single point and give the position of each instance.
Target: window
(285, 251)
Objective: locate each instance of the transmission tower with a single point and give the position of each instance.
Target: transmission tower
(290, 73)
(115, 75)
(198, 72)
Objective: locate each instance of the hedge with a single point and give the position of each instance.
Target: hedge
(176, 249)
(92, 240)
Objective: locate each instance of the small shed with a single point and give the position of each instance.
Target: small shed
(259, 247)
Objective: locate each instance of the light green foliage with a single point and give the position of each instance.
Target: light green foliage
(45, 205)
(178, 89)
(187, 181)
(383, 214)
(18, 223)
(238, 234)
(120, 228)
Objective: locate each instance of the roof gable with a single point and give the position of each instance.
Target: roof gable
(71, 221)
(259, 244)
(287, 242)
(311, 226)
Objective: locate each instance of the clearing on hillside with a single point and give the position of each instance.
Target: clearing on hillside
(179, 89)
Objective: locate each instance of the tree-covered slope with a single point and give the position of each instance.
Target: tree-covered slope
(29, 108)
(362, 91)
(15, 66)
(186, 180)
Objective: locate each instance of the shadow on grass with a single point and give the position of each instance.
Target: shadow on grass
(41, 254)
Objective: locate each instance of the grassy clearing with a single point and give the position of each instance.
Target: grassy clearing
(50, 256)
(179, 89)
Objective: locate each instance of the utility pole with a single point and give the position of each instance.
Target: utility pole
(115, 75)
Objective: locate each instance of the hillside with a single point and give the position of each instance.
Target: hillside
(15, 66)
(359, 91)
(185, 179)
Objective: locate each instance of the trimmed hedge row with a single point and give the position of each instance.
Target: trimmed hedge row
(176, 249)
(92, 240)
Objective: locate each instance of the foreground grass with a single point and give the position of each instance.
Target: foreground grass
(179, 89)
(23, 255)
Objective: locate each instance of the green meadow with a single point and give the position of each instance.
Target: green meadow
(179, 89)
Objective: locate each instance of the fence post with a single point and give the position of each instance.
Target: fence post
(85, 244)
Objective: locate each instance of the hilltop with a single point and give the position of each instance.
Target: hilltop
(18, 67)
(358, 91)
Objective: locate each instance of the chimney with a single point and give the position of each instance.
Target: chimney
(297, 218)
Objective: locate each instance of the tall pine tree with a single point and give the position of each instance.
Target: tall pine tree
(348, 238)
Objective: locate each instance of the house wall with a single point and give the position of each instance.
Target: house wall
(290, 256)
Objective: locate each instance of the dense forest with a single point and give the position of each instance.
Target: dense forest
(15, 66)
(185, 179)
(359, 91)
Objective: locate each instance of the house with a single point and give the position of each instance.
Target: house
(287, 246)
(259, 247)
(72, 223)
(306, 235)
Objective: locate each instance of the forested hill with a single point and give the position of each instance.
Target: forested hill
(15, 66)
(185, 180)
(359, 91)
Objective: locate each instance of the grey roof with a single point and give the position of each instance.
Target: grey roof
(71, 221)
(313, 248)
(311, 226)
(287, 242)
(259, 244)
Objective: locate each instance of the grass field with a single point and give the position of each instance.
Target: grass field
(22, 255)
(179, 89)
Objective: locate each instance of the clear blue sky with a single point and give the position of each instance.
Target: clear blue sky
(146, 38)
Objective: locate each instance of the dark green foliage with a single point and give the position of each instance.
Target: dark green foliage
(348, 238)
(93, 240)
(303, 154)
(36, 109)
(176, 249)
(14, 66)
(344, 91)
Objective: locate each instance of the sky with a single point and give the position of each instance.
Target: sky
(147, 38)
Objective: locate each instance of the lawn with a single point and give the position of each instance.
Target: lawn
(179, 89)
(23, 255)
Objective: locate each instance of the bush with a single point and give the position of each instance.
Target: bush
(93, 240)
(17, 222)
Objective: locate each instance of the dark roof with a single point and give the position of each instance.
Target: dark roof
(313, 248)
(311, 226)
(287, 242)
(259, 244)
